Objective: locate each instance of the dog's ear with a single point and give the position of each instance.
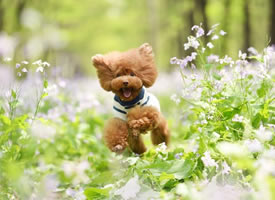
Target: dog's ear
(104, 72)
(148, 71)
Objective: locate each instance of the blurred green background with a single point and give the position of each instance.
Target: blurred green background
(67, 33)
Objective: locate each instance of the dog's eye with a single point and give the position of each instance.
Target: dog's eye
(118, 75)
(132, 74)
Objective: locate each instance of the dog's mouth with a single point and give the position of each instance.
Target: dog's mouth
(126, 92)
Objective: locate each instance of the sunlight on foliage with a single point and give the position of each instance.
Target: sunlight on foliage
(222, 122)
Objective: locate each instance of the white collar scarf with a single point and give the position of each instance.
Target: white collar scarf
(121, 108)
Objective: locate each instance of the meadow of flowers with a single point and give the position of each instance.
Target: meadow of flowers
(221, 113)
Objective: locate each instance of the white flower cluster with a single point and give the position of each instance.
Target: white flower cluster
(130, 189)
(208, 161)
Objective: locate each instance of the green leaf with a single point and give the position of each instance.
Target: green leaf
(208, 67)
(44, 95)
(260, 59)
(5, 120)
(45, 84)
(181, 168)
(217, 76)
(262, 90)
(13, 94)
(165, 176)
(96, 193)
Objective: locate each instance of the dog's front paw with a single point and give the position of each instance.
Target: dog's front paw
(140, 125)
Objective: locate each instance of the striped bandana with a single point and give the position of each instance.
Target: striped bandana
(121, 108)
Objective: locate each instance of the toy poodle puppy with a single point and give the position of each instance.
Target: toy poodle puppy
(136, 111)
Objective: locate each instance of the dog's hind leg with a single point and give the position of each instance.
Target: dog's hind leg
(136, 143)
(161, 133)
(116, 135)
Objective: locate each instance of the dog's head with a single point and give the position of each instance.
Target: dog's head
(124, 73)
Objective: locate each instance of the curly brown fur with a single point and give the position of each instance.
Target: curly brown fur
(116, 134)
(125, 73)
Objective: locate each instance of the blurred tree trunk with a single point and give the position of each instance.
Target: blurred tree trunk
(201, 5)
(1, 16)
(181, 33)
(272, 21)
(19, 10)
(246, 29)
(225, 24)
(191, 20)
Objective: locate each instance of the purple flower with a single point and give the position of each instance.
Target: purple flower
(192, 42)
(178, 155)
(183, 63)
(173, 60)
(212, 58)
(17, 65)
(189, 59)
(199, 31)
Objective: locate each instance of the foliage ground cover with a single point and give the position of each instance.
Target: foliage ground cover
(222, 122)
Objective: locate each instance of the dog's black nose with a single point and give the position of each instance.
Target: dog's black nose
(125, 83)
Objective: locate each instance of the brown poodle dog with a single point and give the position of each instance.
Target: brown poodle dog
(136, 111)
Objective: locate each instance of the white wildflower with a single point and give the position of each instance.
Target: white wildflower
(216, 135)
(25, 62)
(215, 26)
(192, 42)
(46, 64)
(222, 33)
(78, 170)
(238, 118)
(252, 51)
(208, 161)
(253, 145)
(194, 55)
(175, 98)
(182, 190)
(204, 122)
(40, 69)
(210, 45)
(225, 168)
(232, 149)
(38, 62)
(130, 189)
(24, 70)
(263, 134)
(19, 74)
(210, 32)
(161, 147)
(76, 194)
(212, 58)
(242, 55)
(215, 37)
